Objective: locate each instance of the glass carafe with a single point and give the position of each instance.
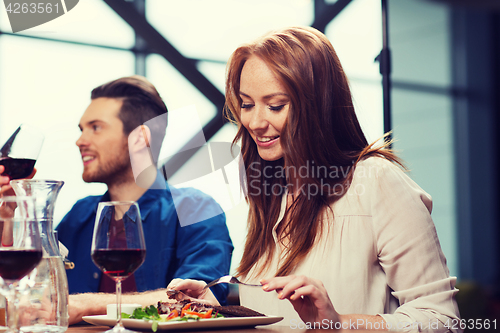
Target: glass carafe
(45, 290)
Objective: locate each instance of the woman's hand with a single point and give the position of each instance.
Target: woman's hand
(308, 297)
(194, 288)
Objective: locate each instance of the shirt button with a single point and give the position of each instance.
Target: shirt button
(96, 275)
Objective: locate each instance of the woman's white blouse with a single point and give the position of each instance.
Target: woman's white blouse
(379, 254)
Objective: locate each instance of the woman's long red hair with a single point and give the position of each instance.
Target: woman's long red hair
(321, 130)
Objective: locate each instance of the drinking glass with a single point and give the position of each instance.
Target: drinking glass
(19, 153)
(118, 246)
(20, 250)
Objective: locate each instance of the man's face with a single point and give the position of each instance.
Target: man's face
(103, 146)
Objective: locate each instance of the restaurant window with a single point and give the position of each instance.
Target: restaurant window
(48, 84)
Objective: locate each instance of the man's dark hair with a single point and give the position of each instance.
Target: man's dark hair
(141, 103)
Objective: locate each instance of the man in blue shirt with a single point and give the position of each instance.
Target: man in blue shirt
(200, 250)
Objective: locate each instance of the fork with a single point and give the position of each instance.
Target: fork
(229, 279)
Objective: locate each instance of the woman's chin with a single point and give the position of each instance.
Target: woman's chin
(270, 156)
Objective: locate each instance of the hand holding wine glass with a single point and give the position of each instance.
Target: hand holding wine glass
(20, 152)
(18, 156)
(118, 246)
(20, 250)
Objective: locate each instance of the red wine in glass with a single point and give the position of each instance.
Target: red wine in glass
(17, 168)
(118, 263)
(20, 249)
(19, 153)
(118, 246)
(16, 264)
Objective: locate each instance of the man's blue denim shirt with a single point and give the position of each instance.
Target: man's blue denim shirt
(200, 251)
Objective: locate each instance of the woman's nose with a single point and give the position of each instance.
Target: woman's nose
(258, 120)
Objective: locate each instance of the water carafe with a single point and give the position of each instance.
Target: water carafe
(45, 299)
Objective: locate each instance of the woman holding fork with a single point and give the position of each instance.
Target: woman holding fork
(338, 234)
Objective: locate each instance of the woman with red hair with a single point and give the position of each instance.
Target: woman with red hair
(335, 226)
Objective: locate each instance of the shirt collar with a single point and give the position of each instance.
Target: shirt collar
(104, 197)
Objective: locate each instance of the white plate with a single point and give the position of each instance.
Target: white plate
(173, 325)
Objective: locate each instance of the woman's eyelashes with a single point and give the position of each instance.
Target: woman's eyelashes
(270, 107)
(276, 107)
(246, 106)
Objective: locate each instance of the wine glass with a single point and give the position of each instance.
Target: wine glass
(118, 246)
(20, 250)
(20, 152)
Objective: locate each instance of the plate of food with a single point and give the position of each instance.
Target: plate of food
(187, 314)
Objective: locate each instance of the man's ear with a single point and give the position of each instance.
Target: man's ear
(139, 139)
(146, 135)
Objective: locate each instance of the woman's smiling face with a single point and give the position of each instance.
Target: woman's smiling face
(264, 107)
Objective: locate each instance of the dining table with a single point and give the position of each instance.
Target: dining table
(87, 328)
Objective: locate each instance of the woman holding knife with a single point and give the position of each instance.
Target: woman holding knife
(337, 233)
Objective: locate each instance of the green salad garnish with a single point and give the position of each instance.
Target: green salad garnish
(147, 313)
(150, 313)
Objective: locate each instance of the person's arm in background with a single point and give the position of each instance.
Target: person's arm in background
(89, 304)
